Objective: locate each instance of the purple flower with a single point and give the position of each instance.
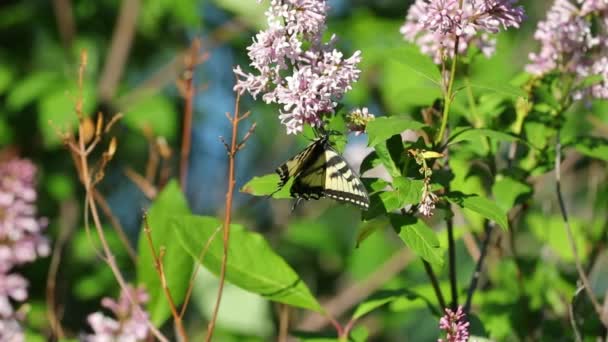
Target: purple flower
(427, 202)
(455, 326)
(21, 240)
(589, 6)
(20, 230)
(568, 44)
(295, 68)
(434, 25)
(130, 322)
(11, 330)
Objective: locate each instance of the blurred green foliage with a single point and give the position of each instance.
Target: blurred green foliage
(322, 250)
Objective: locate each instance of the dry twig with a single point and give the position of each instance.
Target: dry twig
(235, 146)
(90, 177)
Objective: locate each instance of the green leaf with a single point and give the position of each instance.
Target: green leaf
(56, 111)
(156, 112)
(252, 265)
(418, 237)
(501, 88)
(409, 191)
(403, 88)
(177, 264)
(29, 89)
(474, 134)
(592, 147)
(383, 153)
(6, 132)
(508, 192)
(420, 64)
(249, 12)
(480, 205)
(590, 81)
(6, 77)
(381, 129)
(266, 185)
(377, 300)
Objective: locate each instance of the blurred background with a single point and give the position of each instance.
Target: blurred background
(136, 55)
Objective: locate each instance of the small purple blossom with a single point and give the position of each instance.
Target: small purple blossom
(20, 230)
(21, 240)
(11, 330)
(294, 68)
(130, 322)
(358, 120)
(455, 325)
(434, 25)
(427, 202)
(568, 44)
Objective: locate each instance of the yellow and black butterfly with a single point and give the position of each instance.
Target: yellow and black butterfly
(320, 171)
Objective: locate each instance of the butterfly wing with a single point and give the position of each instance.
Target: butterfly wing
(329, 175)
(294, 166)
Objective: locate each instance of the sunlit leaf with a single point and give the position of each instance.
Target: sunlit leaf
(266, 185)
(501, 88)
(386, 157)
(419, 237)
(377, 300)
(480, 205)
(155, 112)
(592, 147)
(56, 112)
(382, 128)
(474, 134)
(409, 191)
(508, 192)
(177, 263)
(250, 12)
(27, 90)
(252, 264)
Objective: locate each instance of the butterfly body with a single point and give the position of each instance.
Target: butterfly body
(320, 171)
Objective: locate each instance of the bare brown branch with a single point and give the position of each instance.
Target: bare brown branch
(65, 21)
(227, 216)
(122, 40)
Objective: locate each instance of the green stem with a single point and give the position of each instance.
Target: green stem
(447, 101)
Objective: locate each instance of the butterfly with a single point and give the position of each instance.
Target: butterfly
(320, 171)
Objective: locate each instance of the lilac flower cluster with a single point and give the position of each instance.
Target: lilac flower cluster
(21, 240)
(434, 25)
(569, 45)
(295, 68)
(131, 323)
(455, 326)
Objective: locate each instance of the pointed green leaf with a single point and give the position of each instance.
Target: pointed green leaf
(381, 129)
(418, 237)
(409, 191)
(473, 134)
(252, 264)
(377, 300)
(508, 192)
(384, 154)
(266, 185)
(592, 147)
(177, 264)
(420, 64)
(501, 88)
(480, 205)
